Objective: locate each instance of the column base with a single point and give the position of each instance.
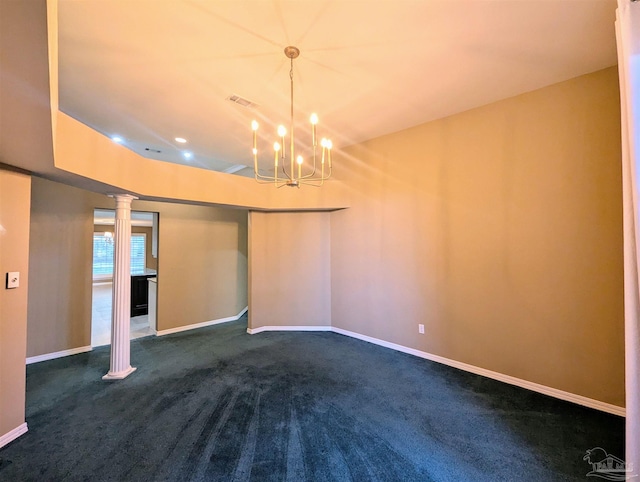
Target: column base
(119, 375)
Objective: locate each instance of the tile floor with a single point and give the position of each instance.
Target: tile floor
(101, 318)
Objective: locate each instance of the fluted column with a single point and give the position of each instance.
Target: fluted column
(120, 366)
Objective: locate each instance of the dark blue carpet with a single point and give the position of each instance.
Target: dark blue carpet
(218, 404)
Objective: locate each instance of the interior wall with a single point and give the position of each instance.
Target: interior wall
(202, 262)
(149, 261)
(83, 151)
(202, 254)
(14, 256)
(26, 139)
(290, 275)
(500, 230)
(61, 256)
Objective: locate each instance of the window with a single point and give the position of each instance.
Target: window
(103, 253)
(137, 252)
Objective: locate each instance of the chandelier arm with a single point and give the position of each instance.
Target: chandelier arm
(309, 175)
(316, 183)
(259, 176)
(314, 172)
(307, 181)
(308, 178)
(264, 179)
(288, 175)
(272, 181)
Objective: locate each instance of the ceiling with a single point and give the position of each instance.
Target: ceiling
(152, 71)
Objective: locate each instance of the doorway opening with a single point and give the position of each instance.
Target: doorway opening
(144, 271)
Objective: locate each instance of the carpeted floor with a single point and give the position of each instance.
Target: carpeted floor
(218, 404)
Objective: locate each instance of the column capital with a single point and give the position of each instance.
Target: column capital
(123, 198)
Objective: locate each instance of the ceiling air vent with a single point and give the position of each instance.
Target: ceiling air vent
(242, 101)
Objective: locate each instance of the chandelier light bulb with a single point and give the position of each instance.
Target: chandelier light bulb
(254, 125)
(276, 146)
(314, 118)
(282, 131)
(299, 161)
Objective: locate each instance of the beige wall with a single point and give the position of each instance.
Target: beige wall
(14, 256)
(500, 230)
(89, 154)
(149, 261)
(60, 254)
(26, 138)
(202, 264)
(290, 276)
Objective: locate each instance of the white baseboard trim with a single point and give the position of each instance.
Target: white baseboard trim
(13, 434)
(536, 387)
(260, 329)
(178, 329)
(57, 354)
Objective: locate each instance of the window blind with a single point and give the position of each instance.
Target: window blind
(103, 253)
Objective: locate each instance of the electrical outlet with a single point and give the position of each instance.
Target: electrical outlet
(421, 329)
(13, 279)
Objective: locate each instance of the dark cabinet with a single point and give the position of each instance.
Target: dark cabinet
(140, 295)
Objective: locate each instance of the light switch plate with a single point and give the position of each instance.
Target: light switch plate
(13, 279)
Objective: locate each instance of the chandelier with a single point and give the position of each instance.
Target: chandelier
(292, 172)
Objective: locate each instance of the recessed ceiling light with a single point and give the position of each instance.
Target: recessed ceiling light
(181, 140)
(117, 139)
(187, 155)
